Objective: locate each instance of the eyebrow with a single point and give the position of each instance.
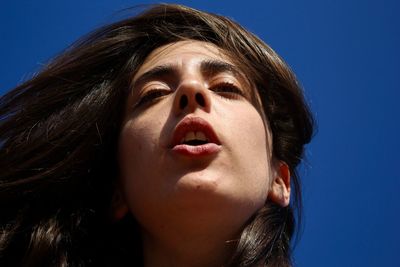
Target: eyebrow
(156, 72)
(214, 67)
(208, 68)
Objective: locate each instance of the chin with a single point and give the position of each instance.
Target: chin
(199, 183)
(206, 191)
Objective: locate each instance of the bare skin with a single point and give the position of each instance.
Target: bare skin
(193, 205)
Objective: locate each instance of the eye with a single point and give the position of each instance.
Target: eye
(151, 96)
(227, 90)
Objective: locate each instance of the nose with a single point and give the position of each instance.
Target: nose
(191, 95)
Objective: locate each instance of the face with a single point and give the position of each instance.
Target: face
(192, 144)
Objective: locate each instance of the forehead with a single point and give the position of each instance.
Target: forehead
(183, 54)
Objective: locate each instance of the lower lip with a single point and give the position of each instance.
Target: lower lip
(195, 151)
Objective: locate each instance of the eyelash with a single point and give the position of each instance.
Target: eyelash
(227, 90)
(151, 96)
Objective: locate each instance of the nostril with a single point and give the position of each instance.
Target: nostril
(200, 99)
(183, 101)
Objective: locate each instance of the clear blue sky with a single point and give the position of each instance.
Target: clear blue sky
(346, 55)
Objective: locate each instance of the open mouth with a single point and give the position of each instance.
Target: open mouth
(195, 143)
(194, 136)
(194, 139)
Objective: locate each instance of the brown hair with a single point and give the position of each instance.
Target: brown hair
(59, 133)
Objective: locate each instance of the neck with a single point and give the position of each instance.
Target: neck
(190, 247)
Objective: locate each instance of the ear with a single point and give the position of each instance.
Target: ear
(119, 208)
(280, 187)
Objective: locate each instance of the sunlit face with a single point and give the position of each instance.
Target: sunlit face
(192, 145)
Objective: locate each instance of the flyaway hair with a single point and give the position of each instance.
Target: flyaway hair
(59, 133)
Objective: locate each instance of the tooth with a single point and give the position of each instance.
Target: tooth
(190, 136)
(201, 136)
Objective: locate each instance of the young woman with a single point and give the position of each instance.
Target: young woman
(167, 139)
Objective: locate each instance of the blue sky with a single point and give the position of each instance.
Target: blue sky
(345, 54)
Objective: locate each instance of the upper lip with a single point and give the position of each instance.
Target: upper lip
(193, 124)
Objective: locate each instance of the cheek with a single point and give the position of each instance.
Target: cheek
(250, 148)
(258, 148)
(139, 138)
(251, 134)
(131, 142)
(130, 147)
(140, 157)
(134, 156)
